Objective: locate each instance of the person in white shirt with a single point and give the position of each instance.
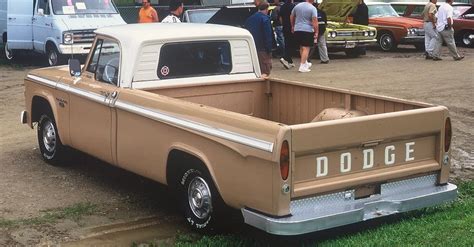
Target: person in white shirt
(176, 10)
(444, 26)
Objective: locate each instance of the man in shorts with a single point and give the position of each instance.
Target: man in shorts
(304, 22)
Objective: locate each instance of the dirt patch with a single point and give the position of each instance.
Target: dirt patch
(30, 187)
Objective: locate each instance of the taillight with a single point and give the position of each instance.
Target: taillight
(448, 133)
(284, 160)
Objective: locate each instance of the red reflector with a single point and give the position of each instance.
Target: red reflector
(285, 160)
(448, 133)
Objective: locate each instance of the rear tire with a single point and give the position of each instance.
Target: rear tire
(50, 145)
(8, 52)
(465, 40)
(199, 199)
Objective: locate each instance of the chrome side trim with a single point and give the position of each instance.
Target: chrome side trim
(42, 81)
(92, 96)
(338, 209)
(221, 133)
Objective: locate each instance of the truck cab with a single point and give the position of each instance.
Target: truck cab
(56, 28)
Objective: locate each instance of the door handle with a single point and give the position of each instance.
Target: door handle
(113, 95)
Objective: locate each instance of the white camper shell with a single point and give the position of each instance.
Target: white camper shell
(57, 28)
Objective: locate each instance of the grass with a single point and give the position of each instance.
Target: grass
(446, 225)
(73, 212)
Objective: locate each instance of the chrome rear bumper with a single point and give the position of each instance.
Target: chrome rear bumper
(337, 209)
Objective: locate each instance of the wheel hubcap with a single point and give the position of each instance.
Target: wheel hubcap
(467, 38)
(386, 42)
(52, 58)
(199, 198)
(49, 136)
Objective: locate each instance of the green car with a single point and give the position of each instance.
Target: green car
(344, 36)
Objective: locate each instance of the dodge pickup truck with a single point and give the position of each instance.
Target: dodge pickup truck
(185, 105)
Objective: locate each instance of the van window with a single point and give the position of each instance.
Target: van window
(72, 7)
(105, 61)
(188, 59)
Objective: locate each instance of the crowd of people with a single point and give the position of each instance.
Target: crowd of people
(302, 26)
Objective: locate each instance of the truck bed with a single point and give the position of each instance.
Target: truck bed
(284, 102)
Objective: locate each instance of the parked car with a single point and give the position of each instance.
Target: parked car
(185, 105)
(463, 17)
(55, 27)
(342, 35)
(393, 29)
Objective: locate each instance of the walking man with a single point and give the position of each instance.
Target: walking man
(284, 16)
(147, 13)
(277, 26)
(322, 46)
(444, 26)
(176, 10)
(429, 18)
(304, 22)
(259, 25)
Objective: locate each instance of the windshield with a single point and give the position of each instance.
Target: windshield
(382, 10)
(201, 16)
(72, 7)
(459, 10)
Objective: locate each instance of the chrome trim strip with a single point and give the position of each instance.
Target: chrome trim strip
(92, 96)
(221, 133)
(382, 26)
(351, 41)
(43, 81)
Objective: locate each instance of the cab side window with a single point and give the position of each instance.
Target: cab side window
(44, 5)
(105, 61)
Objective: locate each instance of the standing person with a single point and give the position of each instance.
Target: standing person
(322, 45)
(277, 26)
(361, 17)
(259, 25)
(176, 10)
(304, 23)
(284, 16)
(444, 26)
(429, 18)
(147, 13)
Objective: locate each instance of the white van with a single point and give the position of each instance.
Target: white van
(57, 28)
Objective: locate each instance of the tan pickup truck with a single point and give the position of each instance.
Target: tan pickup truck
(184, 105)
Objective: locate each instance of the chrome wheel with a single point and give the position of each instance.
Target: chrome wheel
(8, 52)
(49, 136)
(199, 197)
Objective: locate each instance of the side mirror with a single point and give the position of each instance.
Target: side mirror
(41, 12)
(74, 67)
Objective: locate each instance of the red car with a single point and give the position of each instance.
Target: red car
(393, 29)
(463, 17)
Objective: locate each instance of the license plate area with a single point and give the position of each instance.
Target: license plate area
(350, 44)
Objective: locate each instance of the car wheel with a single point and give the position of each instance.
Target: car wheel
(467, 38)
(199, 199)
(54, 57)
(50, 145)
(387, 42)
(8, 52)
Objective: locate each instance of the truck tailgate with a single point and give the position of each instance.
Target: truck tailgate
(363, 152)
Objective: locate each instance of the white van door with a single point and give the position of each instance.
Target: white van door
(19, 28)
(42, 25)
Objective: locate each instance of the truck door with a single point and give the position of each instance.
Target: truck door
(92, 119)
(19, 28)
(42, 24)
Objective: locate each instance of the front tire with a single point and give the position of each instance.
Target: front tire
(54, 57)
(466, 40)
(387, 42)
(50, 145)
(199, 199)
